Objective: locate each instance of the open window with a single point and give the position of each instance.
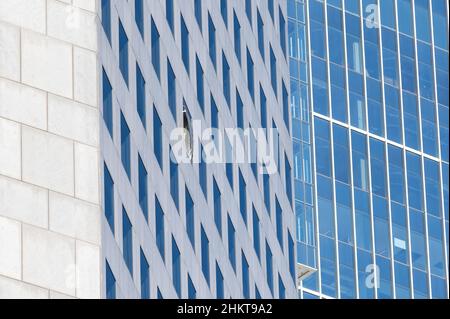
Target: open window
(187, 126)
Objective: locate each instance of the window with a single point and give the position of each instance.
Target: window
(229, 163)
(256, 234)
(387, 13)
(192, 292)
(205, 255)
(231, 243)
(270, 6)
(354, 43)
(439, 20)
(335, 38)
(436, 247)
(375, 108)
(418, 241)
(226, 80)
(261, 35)
(405, 16)
(203, 174)
(320, 93)
(127, 241)
(282, 31)
(257, 293)
(245, 278)
(273, 71)
(243, 197)
(214, 114)
(158, 138)
(172, 90)
(176, 267)
(393, 114)
(106, 18)
(253, 152)
(288, 179)
(169, 14)
(212, 41)
(217, 206)
(266, 182)
(276, 145)
(325, 206)
(123, 53)
(160, 230)
(263, 101)
(185, 44)
(139, 15)
(190, 218)
(156, 50)
(143, 188)
(219, 283)
(110, 283)
(107, 104)
(414, 173)
(237, 37)
(411, 120)
(341, 154)
(286, 107)
(125, 145)
(281, 288)
(239, 111)
(269, 267)
(390, 67)
(318, 47)
(378, 165)
(323, 147)
(250, 75)
(432, 182)
(109, 198)
(360, 170)
(200, 88)
(140, 95)
(396, 174)
(174, 181)
(291, 254)
(425, 70)
(198, 13)
(248, 11)
(279, 219)
(145, 277)
(224, 11)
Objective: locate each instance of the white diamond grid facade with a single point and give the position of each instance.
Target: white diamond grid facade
(90, 204)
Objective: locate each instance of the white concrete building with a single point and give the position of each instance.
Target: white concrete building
(90, 204)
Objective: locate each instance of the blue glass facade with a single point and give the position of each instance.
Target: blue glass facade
(369, 108)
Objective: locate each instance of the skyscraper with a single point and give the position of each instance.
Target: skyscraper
(369, 100)
(92, 202)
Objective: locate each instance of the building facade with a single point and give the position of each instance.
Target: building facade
(369, 100)
(92, 204)
(50, 195)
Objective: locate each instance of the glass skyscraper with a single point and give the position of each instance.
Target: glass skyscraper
(369, 101)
